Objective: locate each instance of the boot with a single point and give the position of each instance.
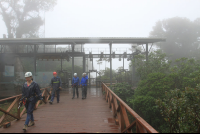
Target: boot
(50, 102)
(25, 127)
(32, 123)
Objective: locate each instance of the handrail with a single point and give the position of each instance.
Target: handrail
(45, 93)
(119, 111)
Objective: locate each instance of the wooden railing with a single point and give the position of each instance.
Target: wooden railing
(120, 109)
(12, 112)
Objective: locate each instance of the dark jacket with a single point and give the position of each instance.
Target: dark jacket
(56, 83)
(31, 91)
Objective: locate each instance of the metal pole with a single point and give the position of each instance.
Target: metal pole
(84, 63)
(72, 61)
(110, 63)
(89, 81)
(96, 79)
(61, 63)
(92, 63)
(123, 62)
(35, 61)
(147, 52)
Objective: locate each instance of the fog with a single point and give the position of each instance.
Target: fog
(113, 18)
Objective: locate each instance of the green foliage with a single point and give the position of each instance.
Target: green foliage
(157, 62)
(124, 91)
(181, 110)
(158, 76)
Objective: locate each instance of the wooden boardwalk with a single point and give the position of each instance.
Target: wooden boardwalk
(91, 115)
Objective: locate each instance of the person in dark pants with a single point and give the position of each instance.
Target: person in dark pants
(75, 84)
(56, 85)
(84, 85)
(29, 91)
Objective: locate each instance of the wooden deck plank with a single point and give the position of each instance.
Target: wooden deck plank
(91, 115)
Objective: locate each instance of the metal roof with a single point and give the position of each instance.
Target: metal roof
(80, 40)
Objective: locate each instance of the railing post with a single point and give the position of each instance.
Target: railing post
(122, 127)
(18, 110)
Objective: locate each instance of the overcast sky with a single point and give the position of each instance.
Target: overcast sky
(112, 18)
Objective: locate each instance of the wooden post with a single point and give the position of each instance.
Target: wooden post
(18, 110)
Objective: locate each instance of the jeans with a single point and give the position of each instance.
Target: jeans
(84, 91)
(28, 118)
(75, 87)
(53, 95)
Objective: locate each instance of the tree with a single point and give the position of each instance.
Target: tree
(181, 36)
(22, 17)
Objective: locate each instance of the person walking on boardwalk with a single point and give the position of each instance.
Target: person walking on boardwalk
(75, 84)
(56, 86)
(29, 91)
(84, 85)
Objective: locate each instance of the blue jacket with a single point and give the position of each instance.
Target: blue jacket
(84, 81)
(75, 81)
(31, 91)
(56, 83)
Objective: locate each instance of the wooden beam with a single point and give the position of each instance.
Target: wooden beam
(129, 127)
(122, 121)
(8, 110)
(9, 114)
(141, 128)
(22, 112)
(124, 114)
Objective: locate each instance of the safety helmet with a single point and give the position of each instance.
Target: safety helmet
(28, 74)
(75, 74)
(54, 73)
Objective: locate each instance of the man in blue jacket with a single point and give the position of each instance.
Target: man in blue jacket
(56, 85)
(75, 84)
(84, 85)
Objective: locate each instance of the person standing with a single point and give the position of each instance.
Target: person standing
(75, 84)
(29, 91)
(56, 86)
(84, 85)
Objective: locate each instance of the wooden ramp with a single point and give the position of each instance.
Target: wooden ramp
(91, 115)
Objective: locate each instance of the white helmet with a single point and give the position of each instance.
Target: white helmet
(28, 74)
(75, 74)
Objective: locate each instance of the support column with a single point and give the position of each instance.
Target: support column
(72, 61)
(92, 63)
(61, 63)
(110, 63)
(96, 79)
(84, 63)
(89, 80)
(147, 49)
(35, 62)
(123, 63)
